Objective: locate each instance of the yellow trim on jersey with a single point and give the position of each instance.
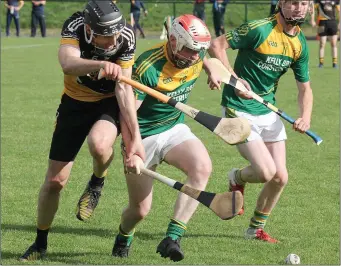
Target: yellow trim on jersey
(277, 43)
(69, 41)
(80, 92)
(172, 78)
(125, 64)
(261, 22)
(146, 61)
(149, 61)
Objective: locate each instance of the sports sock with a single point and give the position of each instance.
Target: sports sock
(41, 239)
(176, 229)
(334, 60)
(125, 237)
(259, 219)
(96, 181)
(238, 179)
(321, 60)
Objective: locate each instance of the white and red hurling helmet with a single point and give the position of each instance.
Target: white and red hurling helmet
(191, 32)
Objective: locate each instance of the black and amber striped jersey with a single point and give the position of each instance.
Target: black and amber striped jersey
(88, 88)
(327, 9)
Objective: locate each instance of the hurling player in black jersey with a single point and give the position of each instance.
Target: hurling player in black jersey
(97, 38)
(327, 16)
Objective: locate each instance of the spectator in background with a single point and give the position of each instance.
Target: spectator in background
(135, 9)
(38, 16)
(328, 13)
(273, 6)
(218, 9)
(199, 9)
(13, 7)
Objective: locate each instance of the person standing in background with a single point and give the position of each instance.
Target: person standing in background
(327, 17)
(199, 9)
(38, 16)
(218, 9)
(273, 6)
(135, 9)
(13, 7)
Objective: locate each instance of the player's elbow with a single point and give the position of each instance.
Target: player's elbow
(217, 45)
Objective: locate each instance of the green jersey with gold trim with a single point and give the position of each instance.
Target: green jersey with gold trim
(154, 69)
(265, 53)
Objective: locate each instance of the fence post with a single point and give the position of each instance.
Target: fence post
(245, 12)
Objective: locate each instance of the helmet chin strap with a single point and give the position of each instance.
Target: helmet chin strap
(86, 35)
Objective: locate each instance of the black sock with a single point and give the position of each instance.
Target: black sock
(97, 181)
(41, 239)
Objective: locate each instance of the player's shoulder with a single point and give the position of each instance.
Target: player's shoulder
(151, 61)
(128, 35)
(150, 57)
(302, 38)
(73, 25)
(261, 24)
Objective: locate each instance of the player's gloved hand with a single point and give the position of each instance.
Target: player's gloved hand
(242, 94)
(301, 125)
(134, 164)
(112, 71)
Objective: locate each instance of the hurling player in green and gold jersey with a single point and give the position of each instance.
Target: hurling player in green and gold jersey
(171, 68)
(267, 48)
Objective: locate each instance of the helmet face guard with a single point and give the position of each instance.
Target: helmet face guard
(289, 14)
(190, 32)
(103, 19)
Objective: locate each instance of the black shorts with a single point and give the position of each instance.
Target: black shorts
(74, 120)
(327, 28)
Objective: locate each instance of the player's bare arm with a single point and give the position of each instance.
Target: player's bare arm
(218, 50)
(126, 101)
(305, 102)
(73, 64)
(213, 80)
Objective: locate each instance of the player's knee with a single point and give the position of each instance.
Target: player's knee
(267, 173)
(281, 178)
(141, 211)
(55, 183)
(200, 172)
(100, 150)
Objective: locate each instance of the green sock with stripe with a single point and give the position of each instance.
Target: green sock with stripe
(259, 219)
(176, 229)
(125, 237)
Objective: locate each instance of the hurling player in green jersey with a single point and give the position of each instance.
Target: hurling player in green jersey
(171, 68)
(267, 48)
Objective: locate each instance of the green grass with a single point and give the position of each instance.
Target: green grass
(306, 219)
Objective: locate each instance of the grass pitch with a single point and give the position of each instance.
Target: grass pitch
(306, 219)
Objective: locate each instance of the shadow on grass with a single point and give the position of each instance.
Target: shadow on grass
(109, 233)
(51, 257)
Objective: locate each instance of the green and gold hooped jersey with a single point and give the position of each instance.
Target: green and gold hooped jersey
(154, 69)
(265, 53)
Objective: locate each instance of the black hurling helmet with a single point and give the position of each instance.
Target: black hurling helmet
(105, 19)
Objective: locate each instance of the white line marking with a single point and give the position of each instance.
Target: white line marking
(25, 46)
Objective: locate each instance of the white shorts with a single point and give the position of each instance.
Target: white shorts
(157, 146)
(267, 127)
